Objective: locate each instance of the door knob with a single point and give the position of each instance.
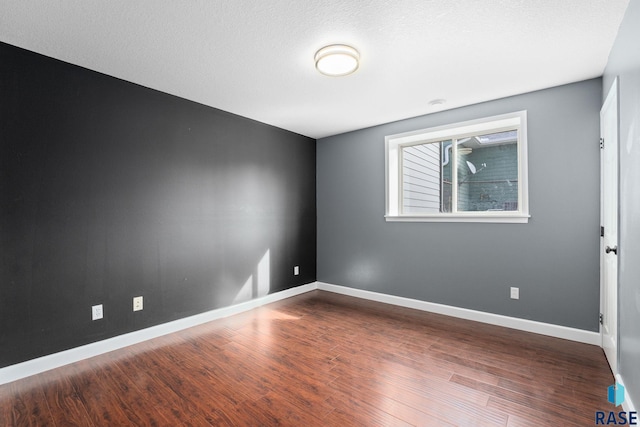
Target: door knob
(613, 249)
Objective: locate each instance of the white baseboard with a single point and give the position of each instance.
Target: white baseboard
(56, 360)
(627, 405)
(548, 329)
(45, 363)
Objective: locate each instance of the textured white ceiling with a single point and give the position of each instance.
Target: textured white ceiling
(255, 57)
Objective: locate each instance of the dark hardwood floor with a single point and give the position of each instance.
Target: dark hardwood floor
(322, 359)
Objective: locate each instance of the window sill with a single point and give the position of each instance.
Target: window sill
(498, 218)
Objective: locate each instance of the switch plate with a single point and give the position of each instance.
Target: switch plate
(296, 270)
(137, 303)
(515, 293)
(96, 312)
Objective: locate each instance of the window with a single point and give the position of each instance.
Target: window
(474, 171)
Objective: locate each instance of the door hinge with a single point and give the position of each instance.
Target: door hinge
(601, 319)
(601, 142)
(602, 231)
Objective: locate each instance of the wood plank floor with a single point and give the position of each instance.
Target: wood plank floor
(322, 359)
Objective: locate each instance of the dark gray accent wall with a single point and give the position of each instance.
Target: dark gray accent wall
(554, 259)
(624, 62)
(109, 190)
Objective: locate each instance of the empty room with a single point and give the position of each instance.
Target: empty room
(321, 213)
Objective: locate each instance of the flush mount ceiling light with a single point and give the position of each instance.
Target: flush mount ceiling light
(337, 60)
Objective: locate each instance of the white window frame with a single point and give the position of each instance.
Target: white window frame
(393, 168)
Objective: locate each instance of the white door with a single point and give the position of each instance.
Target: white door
(609, 214)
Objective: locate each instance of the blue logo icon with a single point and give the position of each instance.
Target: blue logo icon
(616, 394)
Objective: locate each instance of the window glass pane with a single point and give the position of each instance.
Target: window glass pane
(489, 183)
(488, 172)
(426, 181)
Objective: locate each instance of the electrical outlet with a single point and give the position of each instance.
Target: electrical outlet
(515, 293)
(96, 312)
(296, 270)
(137, 303)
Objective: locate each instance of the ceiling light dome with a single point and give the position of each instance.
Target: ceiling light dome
(337, 60)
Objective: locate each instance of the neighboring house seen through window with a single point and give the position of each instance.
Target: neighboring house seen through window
(471, 171)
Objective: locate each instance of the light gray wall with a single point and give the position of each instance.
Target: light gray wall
(554, 258)
(624, 62)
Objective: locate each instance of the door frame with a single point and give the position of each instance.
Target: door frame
(610, 106)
